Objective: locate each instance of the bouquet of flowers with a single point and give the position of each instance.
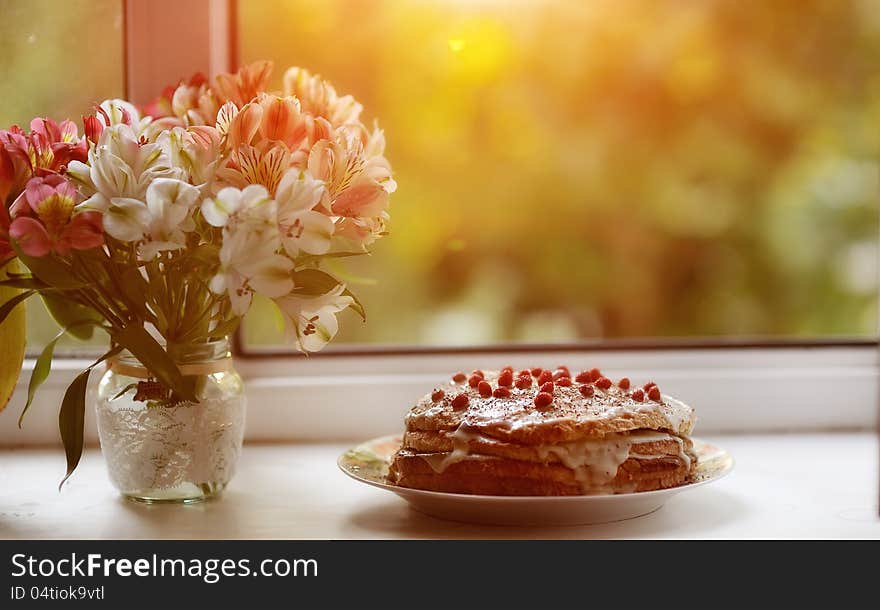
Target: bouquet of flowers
(159, 225)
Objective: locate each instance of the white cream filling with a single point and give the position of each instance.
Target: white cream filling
(594, 462)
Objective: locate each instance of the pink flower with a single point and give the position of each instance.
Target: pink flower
(47, 149)
(45, 219)
(93, 127)
(6, 251)
(53, 146)
(15, 165)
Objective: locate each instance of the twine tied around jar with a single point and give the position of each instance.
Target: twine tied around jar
(195, 368)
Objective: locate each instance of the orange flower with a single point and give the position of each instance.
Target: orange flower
(263, 164)
(243, 86)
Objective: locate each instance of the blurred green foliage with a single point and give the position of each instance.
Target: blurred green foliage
(567, 169)
(573, 169)
(57, 59)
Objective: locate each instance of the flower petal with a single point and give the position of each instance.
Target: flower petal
(126, 219)
(297, 191)
(273, 276)
(311, 233)
(31, 236)
(84, 231)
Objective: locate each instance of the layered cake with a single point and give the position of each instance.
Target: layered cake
(545, 432)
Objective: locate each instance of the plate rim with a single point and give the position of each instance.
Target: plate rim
(401, 491)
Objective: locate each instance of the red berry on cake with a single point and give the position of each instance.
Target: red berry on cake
(544, 377)
(595, 374)
(543, 400)
(437, 394)
(506, 378)
(460, 402)
(524, 382)
(547, 387)
(638, 395)
(586, 390)
(623, 384)
(603, 382)
(478, 372)
(524, 373)
(564, 381)
(583, 377)
(475, 380)
(654, 393)
(485, 389)
(501, 393)
(648, 386)
(459, 377)
(536, 371)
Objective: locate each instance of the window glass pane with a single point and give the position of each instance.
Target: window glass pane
(573, 169)
(57, 59)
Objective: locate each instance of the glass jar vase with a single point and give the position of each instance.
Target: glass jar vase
(158, 450)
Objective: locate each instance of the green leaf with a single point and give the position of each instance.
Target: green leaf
(9, 305)
(51, 270)
(72, 315)
(225, 328)
(71, 418)
(314, 282)
(127, 388)
(42, 368)
(203, 255)
(305, 260)
(154, 357)
(135, 287)
(8, 261)
(30, 283)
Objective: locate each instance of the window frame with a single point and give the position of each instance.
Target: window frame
(737, 384)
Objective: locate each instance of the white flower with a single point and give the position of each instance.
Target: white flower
(114, 112)
(159, 224)
(120, 165)
(300, 226)
(232, 206)
(310, 321)
(195, 150)
(249, 259)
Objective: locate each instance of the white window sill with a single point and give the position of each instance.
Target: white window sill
(783, 486)
(358, 397)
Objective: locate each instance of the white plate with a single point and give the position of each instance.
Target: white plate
(368, 463)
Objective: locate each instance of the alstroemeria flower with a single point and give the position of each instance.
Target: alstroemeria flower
(360, 232)
(14, 172)
(232, 206)
(244, 85)
(318, 97)
(310, 321)
(45, 219)
(195, 150)
(194, 102)
(6, 251)
(357, 176)
(47, 149)
(299, 225)
(241, 125)
(159, 224)
(121, 166)
(249, 259)
(282, 120)
(264, 164)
